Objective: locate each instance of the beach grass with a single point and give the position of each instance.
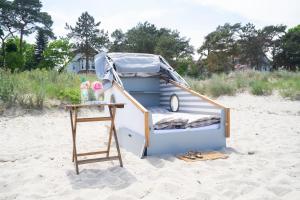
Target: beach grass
(255, 82)
(32, 89)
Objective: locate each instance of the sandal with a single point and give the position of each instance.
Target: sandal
(199, 155)
(190, 155)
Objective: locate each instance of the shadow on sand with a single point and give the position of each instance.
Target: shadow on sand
(113, 177)
(159, 161)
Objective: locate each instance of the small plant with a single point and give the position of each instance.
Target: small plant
(218, 86)
(7, 88)
(241, 81)
(70, 95)
(260, 87)
(196, 85)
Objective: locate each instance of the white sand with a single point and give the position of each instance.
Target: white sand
(35, 159)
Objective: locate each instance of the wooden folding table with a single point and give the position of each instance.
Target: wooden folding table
(112, 132)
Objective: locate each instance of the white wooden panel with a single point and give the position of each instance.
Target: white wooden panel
(130, 117)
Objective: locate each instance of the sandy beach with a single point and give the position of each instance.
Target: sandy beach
(263, 163)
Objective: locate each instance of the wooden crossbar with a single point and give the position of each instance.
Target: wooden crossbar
(91, 153)
(92, 160)
(93, 119)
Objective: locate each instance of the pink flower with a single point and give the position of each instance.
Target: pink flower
(97, 85)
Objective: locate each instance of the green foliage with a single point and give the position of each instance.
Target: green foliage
(22, 17)
(119, 41)
(187, 66)
(241, 82)
(40, 45)
(147, 38)
(288, 84)
(257, 83)
(171, 46)
(7, 91)
(217, 62)
(87, 36)
(260, 87)
(28, 17)
(142, 38)
(70, 94)
(29, 58)
(11, 46)
(197, 84)
(218, 85)
(14, 61)
(235, 44)
(32, 89)
(57, 54)
(290, 53)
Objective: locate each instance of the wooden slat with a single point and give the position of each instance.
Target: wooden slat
(147, 136)
(91, 153)
(93, 160)
(227, 123)
(93, 119)
(72, 106)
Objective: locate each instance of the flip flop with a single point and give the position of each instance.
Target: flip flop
(190, 155)
(199, 155)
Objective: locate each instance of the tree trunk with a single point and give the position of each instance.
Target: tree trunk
(21, 42)
(3, 53)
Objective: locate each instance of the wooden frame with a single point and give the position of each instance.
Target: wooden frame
(112, 132)
(227, 110)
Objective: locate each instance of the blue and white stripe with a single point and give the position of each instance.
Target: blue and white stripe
(188, 102)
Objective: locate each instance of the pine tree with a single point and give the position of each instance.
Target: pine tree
(40, 46)
(87, 36)
(28, 18)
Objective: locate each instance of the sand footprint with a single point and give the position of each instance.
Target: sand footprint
(279, 191)
(156, 162)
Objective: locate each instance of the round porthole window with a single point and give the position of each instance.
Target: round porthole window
(174, 103)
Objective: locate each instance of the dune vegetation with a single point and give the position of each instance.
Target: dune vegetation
(255, 82)
(40, 88)
(31, 89)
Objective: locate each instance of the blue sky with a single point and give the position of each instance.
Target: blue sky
(192, 18)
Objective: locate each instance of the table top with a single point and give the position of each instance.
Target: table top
(88, 105)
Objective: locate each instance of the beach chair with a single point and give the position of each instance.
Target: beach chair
(162, 114)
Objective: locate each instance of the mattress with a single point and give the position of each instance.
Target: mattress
(163, 119)
(166, 131)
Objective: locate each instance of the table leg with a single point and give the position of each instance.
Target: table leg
(114, 132)
(110, 130)
(74, 124)
(72, 127)
(117, 145)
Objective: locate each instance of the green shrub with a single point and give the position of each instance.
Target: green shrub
(7, 88)
(70, 95)
(289, 87)
(241, 81)
(218, 85)
(196, 84)
(290, 93)
(260, 87)
(30, 89)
